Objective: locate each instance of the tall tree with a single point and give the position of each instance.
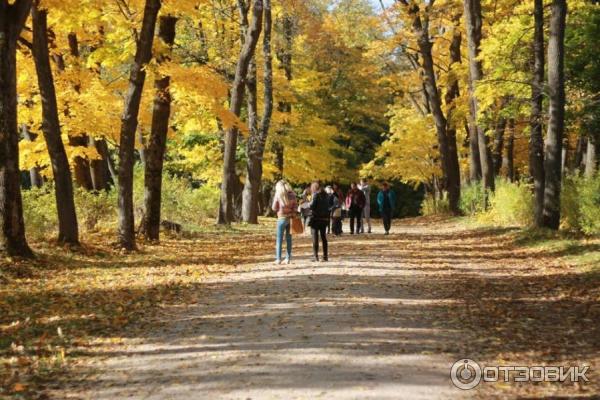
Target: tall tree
(509, 153)
(591, 157)
(81, 165)
(536, 139)
(474, 22)
(453, 174)
(63, 185)
(284, 55)
(157, 142)
(497, 155)
(556, 121)
(237, 95)
(258, 135)
(12, 235)
(129, 122)
(420, 26)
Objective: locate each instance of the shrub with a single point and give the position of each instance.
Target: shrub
(472, 199)
(510, 204)
(580, 204)
(433, 206)
(569, 203)
(39, 212)
(181, 203)
(95, 207)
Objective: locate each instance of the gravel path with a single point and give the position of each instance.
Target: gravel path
(366, 325)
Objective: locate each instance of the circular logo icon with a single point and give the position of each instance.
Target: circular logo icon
(465, 374)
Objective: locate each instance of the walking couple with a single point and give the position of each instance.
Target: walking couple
(285, 205)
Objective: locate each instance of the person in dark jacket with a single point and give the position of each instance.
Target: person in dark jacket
(386, 200)
(335, 209)
(355, 202)
(340, 196)
(319, 219)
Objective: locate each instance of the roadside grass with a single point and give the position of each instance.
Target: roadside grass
(67, 299)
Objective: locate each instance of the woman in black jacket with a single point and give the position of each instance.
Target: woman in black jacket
(319, 219)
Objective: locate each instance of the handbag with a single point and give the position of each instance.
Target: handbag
(337, 213)
(297, 227)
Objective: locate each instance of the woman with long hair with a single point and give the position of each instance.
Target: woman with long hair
(284, 204)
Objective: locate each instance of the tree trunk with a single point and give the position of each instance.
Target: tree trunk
(421, 30)
(256, 143)
(474, 160)
(580, 149)
(536, 140)
(129, 122)
(497, 156)
(34, 173)
(284, 55)
(453, 178)
(474, 23)
(591, 157)
(237, 95)
(99, 168)
(157, 142)
(12, 235)
(81, 165)
(556, 90)
(67, 219)
(509, 154)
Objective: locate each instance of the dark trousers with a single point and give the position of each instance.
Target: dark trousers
(336, 225)
(355, 215)
(316, 230)
(387, 219)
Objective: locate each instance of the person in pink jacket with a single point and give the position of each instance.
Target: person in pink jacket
(285, 205)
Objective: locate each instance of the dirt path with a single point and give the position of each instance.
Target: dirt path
(383, 319)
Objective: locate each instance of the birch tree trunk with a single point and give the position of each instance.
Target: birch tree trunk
(591, 158)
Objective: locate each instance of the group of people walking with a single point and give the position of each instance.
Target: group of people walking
(323, 209)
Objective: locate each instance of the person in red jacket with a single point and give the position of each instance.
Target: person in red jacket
(355, 202)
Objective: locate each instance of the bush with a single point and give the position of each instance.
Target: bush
(472, 199)
(181, 203)
(580, 204)
(95, 208)
(433, 206)
(39, 212)
(510, 204)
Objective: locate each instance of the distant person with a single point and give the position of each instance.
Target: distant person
(319, 219)
(386, 200)
(284, 204)
(305, 206)
(366, 189)
(340, 195)
(355, 202)
(335, 209)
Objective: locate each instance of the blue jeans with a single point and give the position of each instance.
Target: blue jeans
(283, 225)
